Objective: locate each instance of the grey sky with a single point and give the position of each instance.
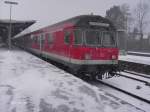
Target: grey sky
(51, 11)
(55, 10)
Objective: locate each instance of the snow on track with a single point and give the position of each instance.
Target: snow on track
(132, 86)
(136, 76)
(115, 93)
(29, 84)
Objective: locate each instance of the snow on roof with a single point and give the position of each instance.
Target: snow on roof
(32, 28)
(15, 21)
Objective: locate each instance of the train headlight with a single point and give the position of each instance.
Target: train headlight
(87, 56)
(114, 57)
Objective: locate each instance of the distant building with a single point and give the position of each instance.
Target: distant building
(122, 41)
(134, 42)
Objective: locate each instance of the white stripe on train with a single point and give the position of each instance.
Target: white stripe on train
(73, 61)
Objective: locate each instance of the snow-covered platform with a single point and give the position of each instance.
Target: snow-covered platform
(135, 59)
(29, 84)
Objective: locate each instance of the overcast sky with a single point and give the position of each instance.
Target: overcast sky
(51, 11)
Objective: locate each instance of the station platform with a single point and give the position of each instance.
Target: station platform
(29, 84)
(135, 59)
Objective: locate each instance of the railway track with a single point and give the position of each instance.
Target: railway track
(136, 79)
(133, 73)
(124, 91)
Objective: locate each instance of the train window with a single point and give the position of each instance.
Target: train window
(31, 37)
(35, 39)
(67, 37)
(38, 40)
(78, 37)
(108, 39)
(93, 37)
(42, 39)
(50, 38)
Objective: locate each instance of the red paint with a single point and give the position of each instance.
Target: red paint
(73, 51)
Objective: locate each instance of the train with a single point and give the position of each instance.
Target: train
(86, 44)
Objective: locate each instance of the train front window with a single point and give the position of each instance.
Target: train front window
(93, 37)
(108, 39)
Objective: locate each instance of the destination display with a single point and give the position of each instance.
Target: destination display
(99, 24)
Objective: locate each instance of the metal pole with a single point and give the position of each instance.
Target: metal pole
(10, 24)
(9, 35)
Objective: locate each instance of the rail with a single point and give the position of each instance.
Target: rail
(124, 91)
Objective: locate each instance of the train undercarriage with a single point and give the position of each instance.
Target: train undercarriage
(95, 71)
(103, 71)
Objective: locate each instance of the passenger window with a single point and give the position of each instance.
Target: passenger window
(50, 38)
(42, 39)
(35, 39)
(38, 39)
(78, 37)
(67, 37)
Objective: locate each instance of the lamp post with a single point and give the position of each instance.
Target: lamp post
(9, 33)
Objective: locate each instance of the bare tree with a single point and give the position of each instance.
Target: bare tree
(125, 9)
(141, 13)
(115, 15)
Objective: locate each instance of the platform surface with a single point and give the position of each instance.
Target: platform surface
(29, 84)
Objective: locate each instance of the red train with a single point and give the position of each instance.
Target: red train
(86, 44)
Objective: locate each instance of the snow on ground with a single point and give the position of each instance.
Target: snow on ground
(136, 76)
(29, 84)
(131, 86)
(136, 59)
(145, 53)
(142, 105)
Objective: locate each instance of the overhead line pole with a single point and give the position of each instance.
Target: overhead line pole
(10, 22)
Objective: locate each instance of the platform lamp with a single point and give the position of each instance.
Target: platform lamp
(9, 33)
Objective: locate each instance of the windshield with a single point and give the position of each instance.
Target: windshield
(98, 38)
(108, 39)
(93, 37)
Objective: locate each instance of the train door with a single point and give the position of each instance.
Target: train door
(46, 44)
(42, 39)
(40, 43)
(68, 36)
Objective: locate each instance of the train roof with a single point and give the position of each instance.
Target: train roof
(78, 21)
(84, 20)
